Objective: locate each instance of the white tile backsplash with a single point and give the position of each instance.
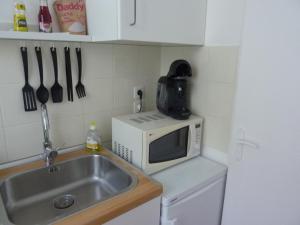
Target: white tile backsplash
(67, 131)
(99, 95)
(3, 153)
(109, 74)
(125, 59)
(147, 61)
(122, 92)
(12, 71)
(100, 57)
(217, 132)
(23, 140)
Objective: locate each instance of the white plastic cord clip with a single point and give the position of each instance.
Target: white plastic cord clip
(170, 222)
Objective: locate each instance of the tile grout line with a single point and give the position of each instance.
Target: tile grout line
(4, 135)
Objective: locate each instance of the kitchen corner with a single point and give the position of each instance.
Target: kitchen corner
(149, 112)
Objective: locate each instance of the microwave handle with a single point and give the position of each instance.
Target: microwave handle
(190, 139)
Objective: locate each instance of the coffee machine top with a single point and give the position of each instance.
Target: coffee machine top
(172, 91)
(180, 69)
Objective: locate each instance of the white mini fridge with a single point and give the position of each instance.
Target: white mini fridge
(193, 193)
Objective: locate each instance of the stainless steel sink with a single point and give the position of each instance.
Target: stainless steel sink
(45, 195)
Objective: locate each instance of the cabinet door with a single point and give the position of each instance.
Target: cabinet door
(164, 21)
(146, 214)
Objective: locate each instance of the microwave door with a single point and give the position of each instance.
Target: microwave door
(169, 147)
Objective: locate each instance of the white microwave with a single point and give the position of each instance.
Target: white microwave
(153, 141)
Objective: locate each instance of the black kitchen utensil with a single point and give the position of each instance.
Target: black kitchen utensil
(42, 92)
(56, 90)
(69, 74)
(79, 87)
(28, 92)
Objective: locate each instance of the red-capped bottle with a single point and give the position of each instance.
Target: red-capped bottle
(45, 20)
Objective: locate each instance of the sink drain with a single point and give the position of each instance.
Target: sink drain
(64, 202)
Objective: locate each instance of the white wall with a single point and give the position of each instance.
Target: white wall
(263, 185)
(109, 73)
(224, 22)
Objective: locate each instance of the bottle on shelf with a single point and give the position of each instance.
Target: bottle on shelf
(45, 20)
(20, 22)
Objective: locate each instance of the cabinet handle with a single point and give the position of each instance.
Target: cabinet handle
(134, 15)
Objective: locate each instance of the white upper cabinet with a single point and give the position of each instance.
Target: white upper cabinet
(154, 21)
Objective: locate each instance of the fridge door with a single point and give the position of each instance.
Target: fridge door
(203, 207)
(183, 180)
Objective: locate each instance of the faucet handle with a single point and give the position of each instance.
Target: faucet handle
(50, 158)
(53, 154)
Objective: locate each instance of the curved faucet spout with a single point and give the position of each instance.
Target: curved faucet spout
(49, 154)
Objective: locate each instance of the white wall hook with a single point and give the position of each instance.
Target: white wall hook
(171, 222)
(248, 143)
(241, 141)
(22, 43)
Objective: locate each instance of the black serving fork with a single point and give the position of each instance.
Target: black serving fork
(28, 92)
(69, 74)
(79, 87)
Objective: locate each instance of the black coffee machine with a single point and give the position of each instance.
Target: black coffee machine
(171, 96)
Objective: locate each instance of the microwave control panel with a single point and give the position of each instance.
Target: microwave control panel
(198, 129)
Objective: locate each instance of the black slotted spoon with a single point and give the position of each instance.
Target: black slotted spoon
(56, 90)
(42, 92)
(28, 92)
(79, 87)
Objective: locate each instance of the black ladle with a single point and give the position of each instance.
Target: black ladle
(42, 92)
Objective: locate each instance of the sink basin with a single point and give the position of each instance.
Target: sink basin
(45, 195)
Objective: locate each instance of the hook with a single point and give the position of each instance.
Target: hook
(78, 45)
(22, 43)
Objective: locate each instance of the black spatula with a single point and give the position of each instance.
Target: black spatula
(56, 90)
(28, 92)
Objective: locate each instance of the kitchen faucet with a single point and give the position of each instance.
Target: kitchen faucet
(49, 154)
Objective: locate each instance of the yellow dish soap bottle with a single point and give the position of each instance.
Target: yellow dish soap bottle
(20, 22)
(93, 140)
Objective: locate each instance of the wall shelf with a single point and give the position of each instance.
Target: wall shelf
(12, 35)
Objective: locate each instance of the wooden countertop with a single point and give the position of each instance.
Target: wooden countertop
(145, 190)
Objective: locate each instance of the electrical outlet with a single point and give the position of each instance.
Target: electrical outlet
(137, 103)
(135, 91)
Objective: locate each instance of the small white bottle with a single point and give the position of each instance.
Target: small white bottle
(93, 140)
